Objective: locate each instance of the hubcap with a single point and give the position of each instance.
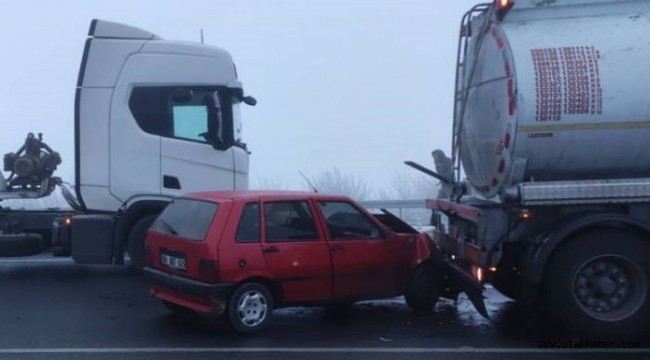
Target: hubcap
(252, 308)
(610, 287)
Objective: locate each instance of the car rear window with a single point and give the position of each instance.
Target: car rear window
(186, 218)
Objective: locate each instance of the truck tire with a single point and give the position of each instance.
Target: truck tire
(135, 245)
(22, 244)
(597, 285)
(423, 290)
(507, 282)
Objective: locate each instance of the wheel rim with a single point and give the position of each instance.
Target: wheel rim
(610, 287)
(252, 308)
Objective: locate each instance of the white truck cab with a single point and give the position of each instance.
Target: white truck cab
(153, 119)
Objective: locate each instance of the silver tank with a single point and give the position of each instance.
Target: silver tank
(557, 91)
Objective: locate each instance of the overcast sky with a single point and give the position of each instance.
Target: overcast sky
(356, 84)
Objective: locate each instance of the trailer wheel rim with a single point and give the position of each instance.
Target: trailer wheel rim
(252, 308)
(610, 287)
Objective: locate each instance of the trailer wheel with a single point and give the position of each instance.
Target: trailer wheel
(423, 290)
(597, 285)
(22, 244)
(135, 246)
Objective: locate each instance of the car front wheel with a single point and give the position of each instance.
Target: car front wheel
(424, 288)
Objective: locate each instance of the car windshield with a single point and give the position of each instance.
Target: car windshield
(186, 218)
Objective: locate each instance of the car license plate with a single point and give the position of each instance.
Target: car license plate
(173, 262)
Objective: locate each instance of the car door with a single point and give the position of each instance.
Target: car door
(295, 252)
(365, 256)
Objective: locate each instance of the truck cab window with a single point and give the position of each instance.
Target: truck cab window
(190, 121)
(236, 119)
(201, 114)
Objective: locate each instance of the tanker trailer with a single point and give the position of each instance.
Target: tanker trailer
(551, 186)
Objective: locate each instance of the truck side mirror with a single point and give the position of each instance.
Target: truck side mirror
(249, 100)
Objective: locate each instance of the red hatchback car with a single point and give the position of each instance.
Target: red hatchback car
(244, 253)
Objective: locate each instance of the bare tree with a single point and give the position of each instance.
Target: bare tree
(414, 186)
(270, 184)
(332, 181)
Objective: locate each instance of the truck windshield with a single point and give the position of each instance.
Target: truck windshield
(186, 218)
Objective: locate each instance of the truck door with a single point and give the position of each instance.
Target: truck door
(196, 156)
(194, 125)
(364, 256)
(296, 254)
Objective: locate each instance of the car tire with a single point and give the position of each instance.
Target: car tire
(597, 285)
(135, 245)
(249, 308)
(423, 290)
(21, 244)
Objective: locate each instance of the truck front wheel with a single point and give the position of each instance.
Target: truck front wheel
(597, 284)
(135, 245)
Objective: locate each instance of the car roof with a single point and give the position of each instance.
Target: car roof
(251, 195)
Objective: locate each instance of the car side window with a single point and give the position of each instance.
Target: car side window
(345, 222)
(289, 221)
(248, 230)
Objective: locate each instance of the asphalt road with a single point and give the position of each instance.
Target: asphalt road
(57, 310)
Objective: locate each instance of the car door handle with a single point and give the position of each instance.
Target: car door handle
(336, 248)
(271, 250)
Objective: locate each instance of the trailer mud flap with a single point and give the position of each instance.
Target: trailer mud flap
(463, 282)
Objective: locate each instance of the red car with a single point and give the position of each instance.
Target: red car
(244, 253)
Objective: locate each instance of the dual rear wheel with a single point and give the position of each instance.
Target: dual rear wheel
(597, 285)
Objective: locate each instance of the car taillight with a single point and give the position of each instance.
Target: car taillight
(209, 270)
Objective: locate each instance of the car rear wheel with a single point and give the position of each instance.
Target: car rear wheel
(249, 308)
